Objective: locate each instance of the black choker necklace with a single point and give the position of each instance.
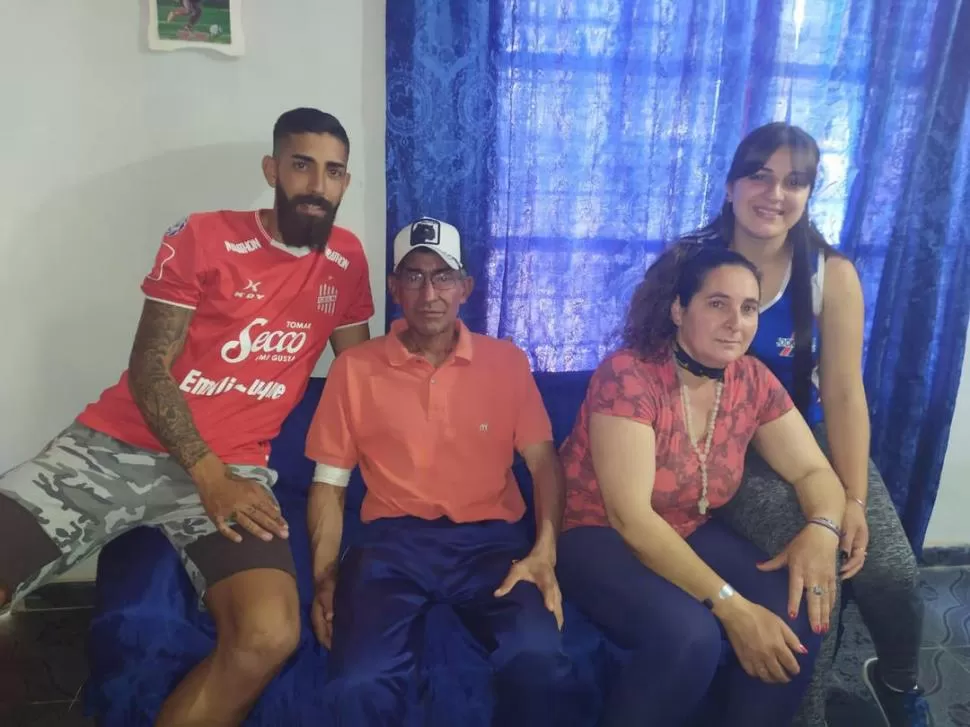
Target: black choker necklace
(685, 361)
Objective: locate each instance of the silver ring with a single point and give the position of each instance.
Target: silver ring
(817, 590)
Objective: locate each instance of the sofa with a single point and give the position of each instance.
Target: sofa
(148, 629)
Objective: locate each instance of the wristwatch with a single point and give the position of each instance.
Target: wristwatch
(725, 593)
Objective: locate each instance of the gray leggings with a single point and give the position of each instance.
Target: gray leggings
(766, 512)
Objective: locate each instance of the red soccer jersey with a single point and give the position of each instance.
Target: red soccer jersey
(263, 315)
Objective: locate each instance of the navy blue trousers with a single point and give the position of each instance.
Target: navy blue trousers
(682, 670)
(399, 569)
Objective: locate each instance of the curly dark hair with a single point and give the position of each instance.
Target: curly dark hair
(678, 273)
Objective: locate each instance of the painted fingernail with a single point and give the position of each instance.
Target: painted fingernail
(817, 629)
(802, 649)
(791, 615)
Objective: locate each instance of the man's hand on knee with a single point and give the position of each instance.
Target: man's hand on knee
(227, 496)
(536, 568)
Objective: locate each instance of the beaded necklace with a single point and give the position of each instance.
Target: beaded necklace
(703, 503)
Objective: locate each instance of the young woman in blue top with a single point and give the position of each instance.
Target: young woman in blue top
(810, 335)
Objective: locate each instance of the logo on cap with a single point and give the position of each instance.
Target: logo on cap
(425, 232)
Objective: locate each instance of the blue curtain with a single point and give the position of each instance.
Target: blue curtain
(569, 140)
(907, 231)
(442, 126)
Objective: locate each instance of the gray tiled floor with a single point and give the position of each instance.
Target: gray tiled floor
(944, 658)
(42, 665)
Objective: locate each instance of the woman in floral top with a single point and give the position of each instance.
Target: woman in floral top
(658, 446)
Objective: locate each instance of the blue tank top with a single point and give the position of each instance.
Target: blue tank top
(774, 343)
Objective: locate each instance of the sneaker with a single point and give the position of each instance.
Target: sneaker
(899, 709)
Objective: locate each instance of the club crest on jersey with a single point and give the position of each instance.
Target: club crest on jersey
(786, 346)
(327, 299)
(176, 228)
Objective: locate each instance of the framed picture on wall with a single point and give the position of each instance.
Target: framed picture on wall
(213, 24)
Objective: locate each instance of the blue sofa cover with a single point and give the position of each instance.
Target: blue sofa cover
(148, 631)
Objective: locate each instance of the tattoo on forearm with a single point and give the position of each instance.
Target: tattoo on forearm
(159, 340)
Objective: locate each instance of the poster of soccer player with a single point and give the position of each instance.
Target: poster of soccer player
(214, 24)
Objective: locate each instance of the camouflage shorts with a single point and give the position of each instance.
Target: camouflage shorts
(86, 488)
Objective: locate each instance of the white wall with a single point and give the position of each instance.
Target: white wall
(950, 523)
(105, 148)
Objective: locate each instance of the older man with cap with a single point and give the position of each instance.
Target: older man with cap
(433, 415)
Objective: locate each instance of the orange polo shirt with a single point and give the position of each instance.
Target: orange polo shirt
(430, 442)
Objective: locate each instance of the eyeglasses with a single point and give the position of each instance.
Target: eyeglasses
(440, 279)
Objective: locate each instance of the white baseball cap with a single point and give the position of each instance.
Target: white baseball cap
(430, 234)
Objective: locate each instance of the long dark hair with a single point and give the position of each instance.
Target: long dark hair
(678, 273)
(804, 237)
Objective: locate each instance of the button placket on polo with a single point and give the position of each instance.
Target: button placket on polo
(437, 395)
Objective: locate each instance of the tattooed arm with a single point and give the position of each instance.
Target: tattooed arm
(158, 342)
(225, 496)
